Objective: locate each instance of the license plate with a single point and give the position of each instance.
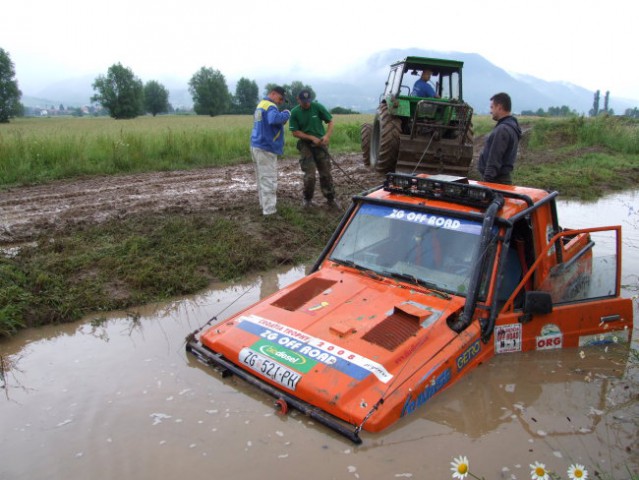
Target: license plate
(270, 369)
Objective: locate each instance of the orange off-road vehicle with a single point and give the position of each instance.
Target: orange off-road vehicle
(425, 278)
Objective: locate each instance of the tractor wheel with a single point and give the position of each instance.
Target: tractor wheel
(470, 135)
(366, 142)
(384, 140)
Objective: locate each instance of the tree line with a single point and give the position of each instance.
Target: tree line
(596, 110)
(123, 95)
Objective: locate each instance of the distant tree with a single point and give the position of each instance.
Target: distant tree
(210, 93)
(156, 98)
(246, 96)
(632, 112)
(606, 103)
(563, 111)
(10, 94)
(292, 91)
(120, 92)
(297, 86)
(594, 111)
(343, 111)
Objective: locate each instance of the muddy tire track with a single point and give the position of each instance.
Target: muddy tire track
(27, 212)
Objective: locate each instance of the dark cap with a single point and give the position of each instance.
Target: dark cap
(305, 96)
(279, 90)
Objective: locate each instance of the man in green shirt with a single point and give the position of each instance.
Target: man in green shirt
(307, 125)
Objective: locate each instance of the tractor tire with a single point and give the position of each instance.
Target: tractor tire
(470, 135)
(365, 133)
(385, 140)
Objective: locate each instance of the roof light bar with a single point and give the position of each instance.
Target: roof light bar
(440, 187)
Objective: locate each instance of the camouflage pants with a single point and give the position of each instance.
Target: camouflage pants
(316, 159)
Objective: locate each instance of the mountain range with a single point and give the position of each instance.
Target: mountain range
(359, 89)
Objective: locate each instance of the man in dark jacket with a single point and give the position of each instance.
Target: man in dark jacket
(497, 159)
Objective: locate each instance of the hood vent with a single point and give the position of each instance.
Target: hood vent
(394, 330)
(303, 294)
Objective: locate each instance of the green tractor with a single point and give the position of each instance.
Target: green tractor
(421, 134)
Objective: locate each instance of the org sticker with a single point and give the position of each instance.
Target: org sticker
(550, 337)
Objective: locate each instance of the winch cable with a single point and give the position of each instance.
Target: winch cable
(423, 155)
(344, 172)
(192, 336)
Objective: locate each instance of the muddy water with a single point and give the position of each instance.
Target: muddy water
(115, 396)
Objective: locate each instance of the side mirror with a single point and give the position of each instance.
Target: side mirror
(537, 303)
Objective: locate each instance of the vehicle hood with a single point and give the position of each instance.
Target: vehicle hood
(353, 338)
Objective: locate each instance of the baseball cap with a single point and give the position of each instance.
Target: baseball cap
(305, 96)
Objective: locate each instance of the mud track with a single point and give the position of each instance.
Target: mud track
(28, 212)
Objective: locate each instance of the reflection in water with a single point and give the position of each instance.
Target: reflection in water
(116, 396)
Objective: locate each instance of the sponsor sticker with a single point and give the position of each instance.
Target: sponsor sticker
(508, 338)
(312, 348)
(319, 306)
(285, 356)
(550, 337)
(470, 353)
(437, 221)
(615, 336)
(430, 389)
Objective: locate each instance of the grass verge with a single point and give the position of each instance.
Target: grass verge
(141, 259)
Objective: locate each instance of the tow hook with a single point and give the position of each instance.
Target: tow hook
(281, 406)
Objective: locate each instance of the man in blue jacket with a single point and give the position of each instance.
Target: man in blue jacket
(497, 159)
(422, 88)
(267, 142)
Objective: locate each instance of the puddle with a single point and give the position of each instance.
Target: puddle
(116, 396)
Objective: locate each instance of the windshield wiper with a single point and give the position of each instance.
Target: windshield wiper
(417, 281)
(352, 264)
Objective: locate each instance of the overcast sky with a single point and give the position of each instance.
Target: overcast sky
(589, 43)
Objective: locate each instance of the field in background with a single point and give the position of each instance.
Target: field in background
(579, 156)
(34, 150)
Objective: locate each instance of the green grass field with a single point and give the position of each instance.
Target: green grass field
(34, 150)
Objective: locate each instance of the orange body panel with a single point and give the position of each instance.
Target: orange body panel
(387, 319)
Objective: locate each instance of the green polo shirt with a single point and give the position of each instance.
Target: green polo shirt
(310, 121)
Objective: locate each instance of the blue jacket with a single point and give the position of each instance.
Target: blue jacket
(423, 89)
(268, 127)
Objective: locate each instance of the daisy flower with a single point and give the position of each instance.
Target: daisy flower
(577, 472)
(460, 467)
(538, 472)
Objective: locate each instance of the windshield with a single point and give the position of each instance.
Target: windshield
(422, 248)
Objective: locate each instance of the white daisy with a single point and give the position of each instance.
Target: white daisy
(577, 472)
(460, 467)
(538, 472)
